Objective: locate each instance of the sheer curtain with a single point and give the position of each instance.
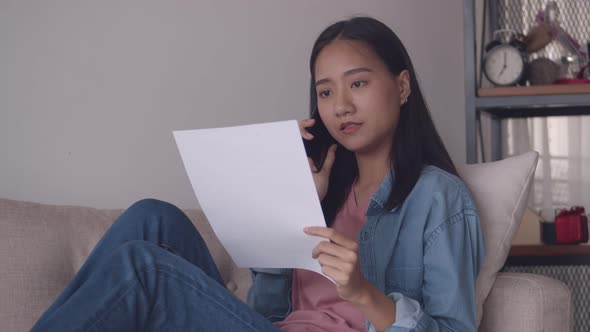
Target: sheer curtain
(562, 178)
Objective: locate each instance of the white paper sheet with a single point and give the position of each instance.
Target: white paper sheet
(255, 187)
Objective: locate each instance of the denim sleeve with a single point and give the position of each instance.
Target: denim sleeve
(453, 256)
(270, 294)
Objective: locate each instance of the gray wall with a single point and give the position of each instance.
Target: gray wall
(90, 91)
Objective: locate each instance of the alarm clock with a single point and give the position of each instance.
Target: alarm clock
(505, 61)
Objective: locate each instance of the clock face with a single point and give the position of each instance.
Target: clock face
(503, 65)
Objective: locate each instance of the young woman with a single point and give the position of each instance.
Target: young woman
(404, 244)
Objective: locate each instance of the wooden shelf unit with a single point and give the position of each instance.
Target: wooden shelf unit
(509, 102)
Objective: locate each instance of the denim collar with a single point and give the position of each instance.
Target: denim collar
(379, 198)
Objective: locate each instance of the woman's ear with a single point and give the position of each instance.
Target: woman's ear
(403, 81)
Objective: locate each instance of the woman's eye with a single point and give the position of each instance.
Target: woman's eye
(325, 93)
(358, 84)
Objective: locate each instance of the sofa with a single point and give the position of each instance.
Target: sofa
(42, 246)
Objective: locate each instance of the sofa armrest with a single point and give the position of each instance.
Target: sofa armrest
(527, 302)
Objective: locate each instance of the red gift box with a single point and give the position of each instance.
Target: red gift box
(571, 226)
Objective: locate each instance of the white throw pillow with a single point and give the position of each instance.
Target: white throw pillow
(500, 190)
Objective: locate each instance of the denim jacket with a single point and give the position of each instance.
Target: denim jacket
(424, 254)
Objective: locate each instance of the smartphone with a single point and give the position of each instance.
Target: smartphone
(317, 148)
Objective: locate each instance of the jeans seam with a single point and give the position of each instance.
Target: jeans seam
(220, 304)
(113, 306)
(160, 269)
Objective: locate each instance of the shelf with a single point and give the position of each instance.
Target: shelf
(534, 101)
(526, 112)
(523, 255)
(508, 102)
(539, 96)
(536, 90)
(549, 250)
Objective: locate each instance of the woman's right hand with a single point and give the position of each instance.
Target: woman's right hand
(321, 177)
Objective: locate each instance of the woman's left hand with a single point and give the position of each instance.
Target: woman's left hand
(340, 261)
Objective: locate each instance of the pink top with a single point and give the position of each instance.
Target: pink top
(316, 304)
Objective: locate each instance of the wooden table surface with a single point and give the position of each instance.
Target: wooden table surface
(542, 254)
(549, 250)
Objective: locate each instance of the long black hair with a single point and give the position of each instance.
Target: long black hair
(416, 142)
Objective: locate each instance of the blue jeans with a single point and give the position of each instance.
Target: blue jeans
(150, 272)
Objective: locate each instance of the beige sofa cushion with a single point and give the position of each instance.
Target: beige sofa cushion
(500, 190)
(43, 246)
(530, 302)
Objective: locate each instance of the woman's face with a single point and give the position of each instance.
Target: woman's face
(358, 97)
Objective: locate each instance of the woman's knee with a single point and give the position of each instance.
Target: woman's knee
(156, 221)
(150, 210)
(153, 206)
